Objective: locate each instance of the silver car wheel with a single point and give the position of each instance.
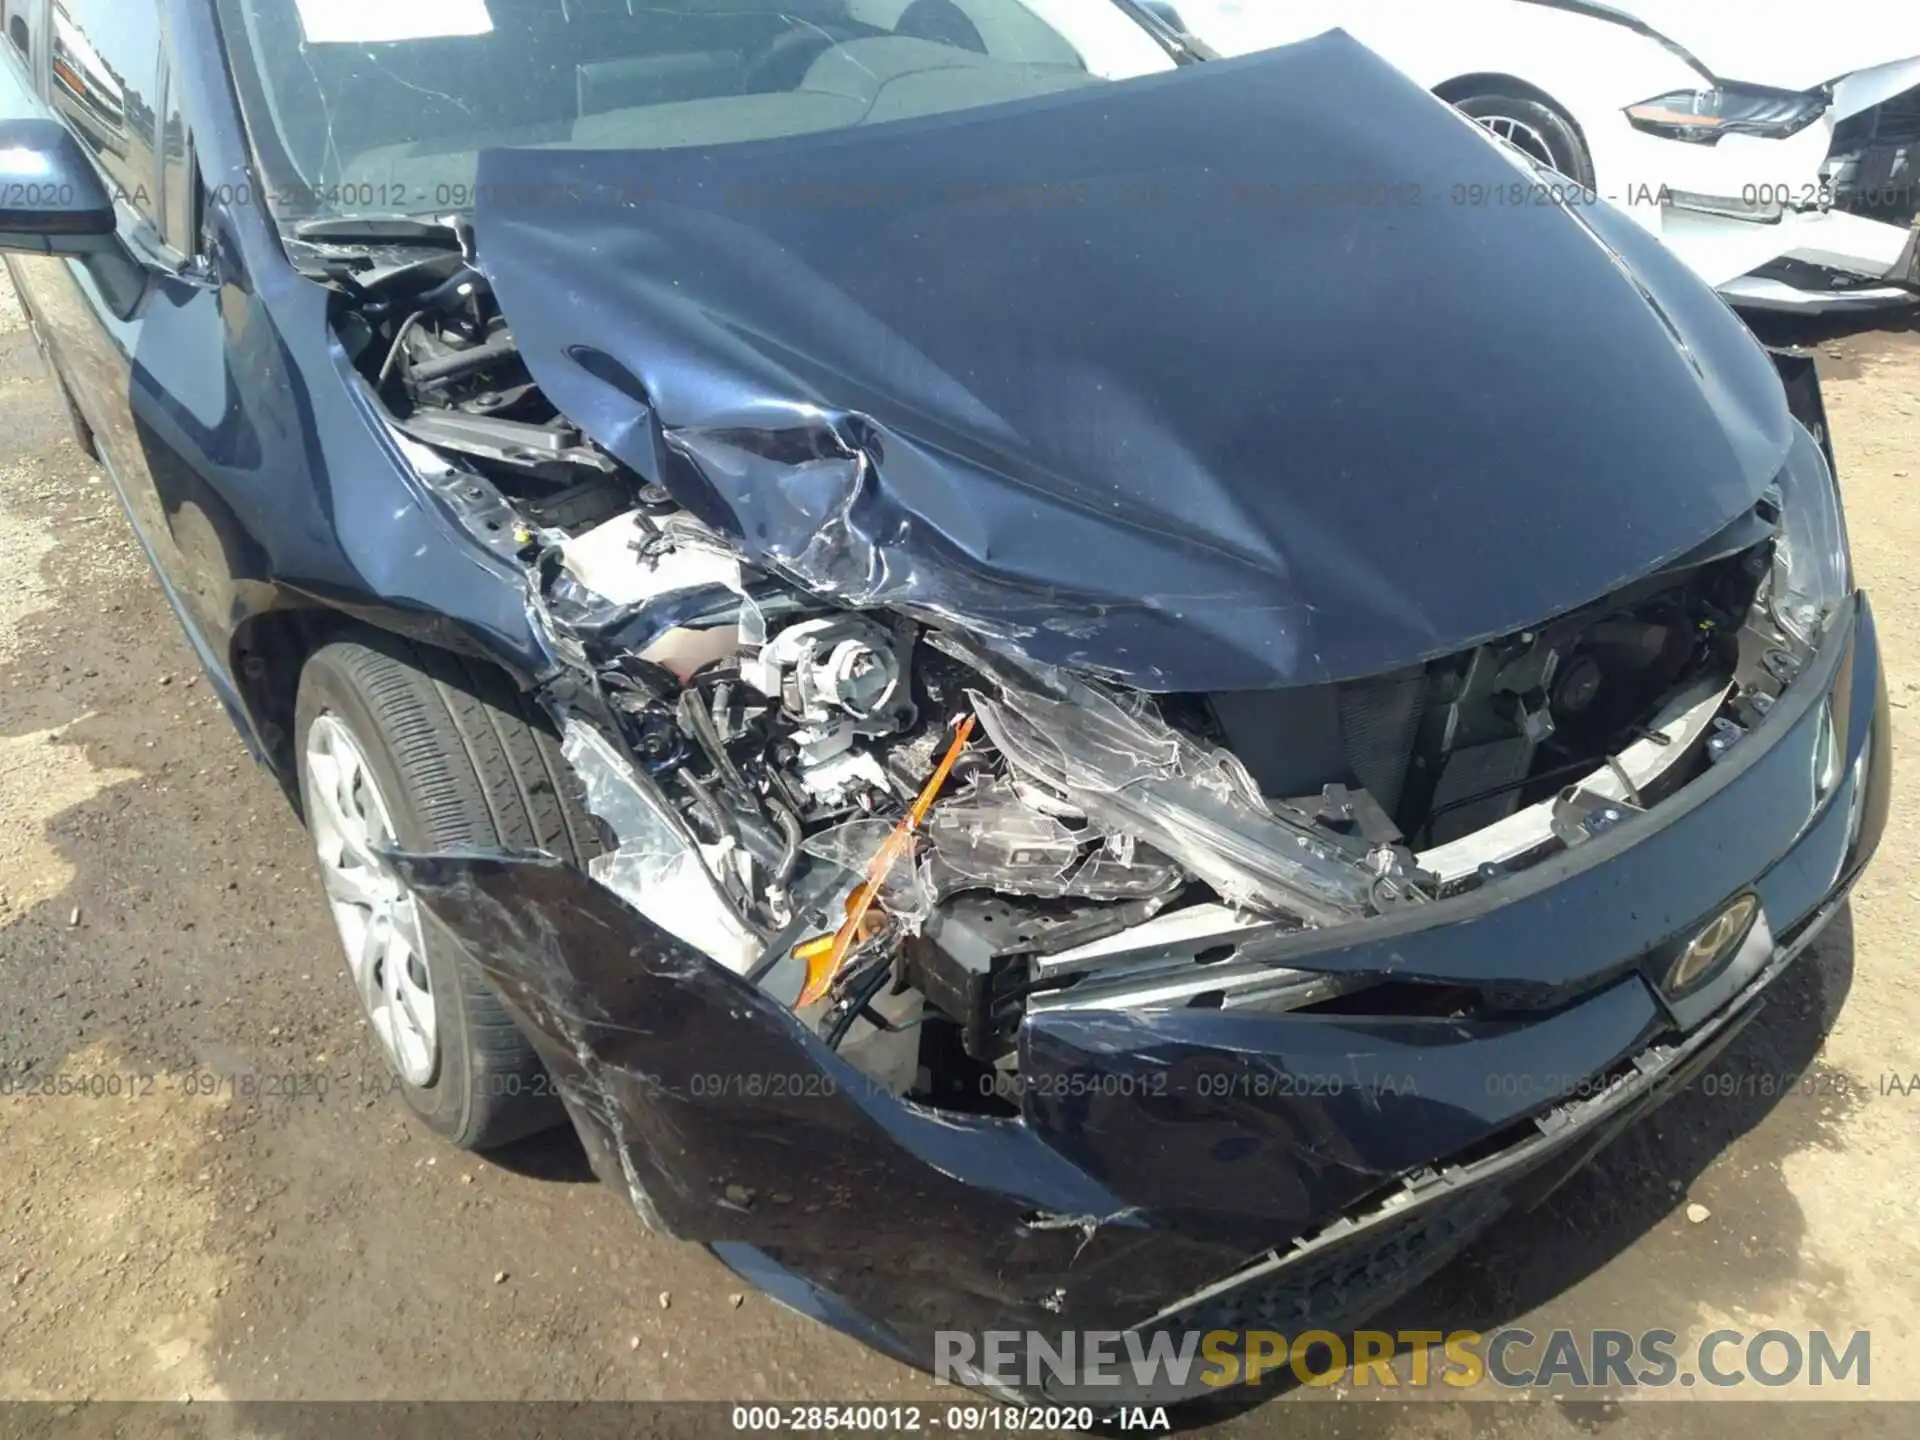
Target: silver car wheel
(1518, 132)
(378, 918)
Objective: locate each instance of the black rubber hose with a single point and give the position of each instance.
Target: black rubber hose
(463, 362)
(449, 289)
(820, 881)
(399, 339)
(724, 828)
(694, 717)
(858, 1000)
(789, 856)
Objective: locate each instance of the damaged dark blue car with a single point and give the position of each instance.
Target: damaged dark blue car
(1047, 683)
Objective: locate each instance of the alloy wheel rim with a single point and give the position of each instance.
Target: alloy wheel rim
(1518, 132)
(377, 917)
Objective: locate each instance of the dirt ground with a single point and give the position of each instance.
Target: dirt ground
(181, 1233)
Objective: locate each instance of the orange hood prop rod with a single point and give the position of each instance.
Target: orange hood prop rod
(825, 955)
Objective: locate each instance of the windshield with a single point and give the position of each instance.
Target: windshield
(381, 106)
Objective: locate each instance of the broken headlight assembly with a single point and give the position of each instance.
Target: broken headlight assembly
(1701, 117)
(915, 835)
(1811, 573)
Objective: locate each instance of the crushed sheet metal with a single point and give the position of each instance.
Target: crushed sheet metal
(839, 1182)
(829, 1174)
(890, 373)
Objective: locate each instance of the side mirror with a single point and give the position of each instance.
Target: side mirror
(53, 203)
(51, 198)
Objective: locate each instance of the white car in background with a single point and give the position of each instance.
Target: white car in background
(1774, 147)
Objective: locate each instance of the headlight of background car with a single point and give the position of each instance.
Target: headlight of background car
(1812, 573)
(1703, 116)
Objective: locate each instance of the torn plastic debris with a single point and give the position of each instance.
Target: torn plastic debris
(853, 845)
(992, 838)
(1131, 774)
(824, 960)
(656, 867)
(667, 590)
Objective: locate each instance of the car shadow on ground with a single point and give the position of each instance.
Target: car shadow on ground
(1632, 1190)
(554, 1154)
(1800, 331)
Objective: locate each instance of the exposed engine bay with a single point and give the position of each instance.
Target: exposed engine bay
(915, 835)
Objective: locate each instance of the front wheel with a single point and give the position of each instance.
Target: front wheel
(405, 747)
(1543, 132)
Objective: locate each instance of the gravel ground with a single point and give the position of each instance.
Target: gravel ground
(159, 929)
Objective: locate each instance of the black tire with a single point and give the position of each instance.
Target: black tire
(1536, 127)
(462, 757)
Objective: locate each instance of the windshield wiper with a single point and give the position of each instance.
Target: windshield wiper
(382, 230)
(1163, 22)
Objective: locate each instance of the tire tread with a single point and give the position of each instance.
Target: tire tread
(481, 767)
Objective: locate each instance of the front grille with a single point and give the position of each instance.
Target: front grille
(1817, 278)
(1347, 1281)
(1296, 740)
(1899, 118)
(1379, 721)
(1891, 121)
(1874, 163)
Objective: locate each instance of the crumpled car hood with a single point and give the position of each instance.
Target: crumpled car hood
(1263, 372)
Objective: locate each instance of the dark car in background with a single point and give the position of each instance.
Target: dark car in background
(1036, 720)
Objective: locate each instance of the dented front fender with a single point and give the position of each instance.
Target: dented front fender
(726, 1121)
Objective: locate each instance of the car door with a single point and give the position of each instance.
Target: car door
(136, 377)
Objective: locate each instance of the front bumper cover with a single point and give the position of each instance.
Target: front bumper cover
(1177, 1167)
(1845, 240)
